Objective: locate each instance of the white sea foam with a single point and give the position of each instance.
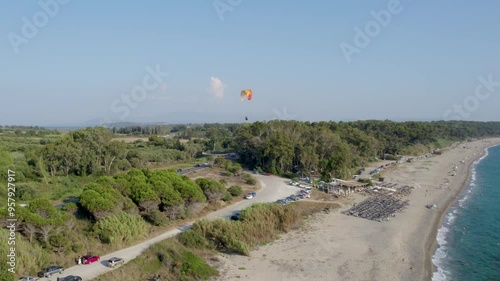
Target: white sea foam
(439, 257)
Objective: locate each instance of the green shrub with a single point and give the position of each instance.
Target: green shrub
(194, 266)
(119, 228)
(235, 190)
(391, 157)
(25, 192)
(71, 207)
(30, 257)
(77, 247)
(223, 182)
(157, 218)
(227, 196)
(249, 179)
(192, 239)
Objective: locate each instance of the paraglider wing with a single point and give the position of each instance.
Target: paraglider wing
(246, 94)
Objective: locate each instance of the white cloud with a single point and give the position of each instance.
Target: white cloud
(217, 87)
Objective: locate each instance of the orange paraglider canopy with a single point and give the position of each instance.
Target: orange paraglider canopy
(248, 94)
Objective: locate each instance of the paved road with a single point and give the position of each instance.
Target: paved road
(273, 188)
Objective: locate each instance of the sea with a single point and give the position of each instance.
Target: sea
(469, 239)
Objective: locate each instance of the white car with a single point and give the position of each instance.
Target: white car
(250, 195)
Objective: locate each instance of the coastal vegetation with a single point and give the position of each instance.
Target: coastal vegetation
(89, 190)
(180, 258)
(258, 224)
(170, 259)
(332, 149)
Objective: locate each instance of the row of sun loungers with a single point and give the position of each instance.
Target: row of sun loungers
(378, 208)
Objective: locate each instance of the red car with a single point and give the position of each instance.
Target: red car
(90, 259)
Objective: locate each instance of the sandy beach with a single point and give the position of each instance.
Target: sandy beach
(339, 247)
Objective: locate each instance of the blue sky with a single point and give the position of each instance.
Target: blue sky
(79, 63)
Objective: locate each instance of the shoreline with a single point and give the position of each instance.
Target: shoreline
(431, 242)
(339, 247)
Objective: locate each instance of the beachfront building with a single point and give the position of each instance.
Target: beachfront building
(343, 188)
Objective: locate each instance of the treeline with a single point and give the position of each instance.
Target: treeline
(332, 149)
(146, 129)
(335, 149)
(84, 152)
(158, 130)
(31, 131)
(89, 152)
(15, 127)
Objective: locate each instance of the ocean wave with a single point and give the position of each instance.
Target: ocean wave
(486, 152)
(439, 257)
(451, 218)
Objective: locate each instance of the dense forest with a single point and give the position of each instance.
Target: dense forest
(338, 149)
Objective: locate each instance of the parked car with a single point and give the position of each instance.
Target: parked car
(71, 278)
(49, 271)
(113, 262)
(28, 278)
(251, 195)
(235, 216)
(281, 202)
(88, 259)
